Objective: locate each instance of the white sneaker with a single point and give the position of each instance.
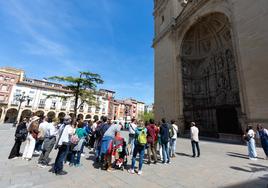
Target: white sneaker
(131, 171)
(253, 159)
(139, 172)
(83, 155)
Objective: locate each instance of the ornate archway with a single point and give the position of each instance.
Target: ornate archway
(25, 114)
(39, 113)
(51, 115)
(61, 115)
(88, 116)
(11, 115)
(80, 116)
(210, 84)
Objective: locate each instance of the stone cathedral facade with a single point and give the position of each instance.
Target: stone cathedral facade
(211, 64)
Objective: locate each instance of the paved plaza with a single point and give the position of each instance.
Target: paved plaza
(220, 165)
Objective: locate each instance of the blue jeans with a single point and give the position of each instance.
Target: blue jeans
(172, 146)
(195, 145)
(131, 141)
(58, 166)
(138, 149)
(75, 158)
(252, 148)
(38, 145)
(165, 151)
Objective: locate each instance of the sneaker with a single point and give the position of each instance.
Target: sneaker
(14, 158)
(139, 172)
(28, 159)
(83, 155)
(61, 173)
(253, 159)
(42, 166)
(131, 171)
(168, 162)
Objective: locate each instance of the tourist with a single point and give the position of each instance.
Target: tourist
(30, 140)
(65, 133)
(195, 139)
(132, 129)
(99, 132)
(251, 143)
(20, 136)
(159, 141)
(173, 140)
(262, 134)
(49, 142)
(106, 145)
(139, 148)
(165, 138)
(151, 141)
(41, 136)
(81, 133)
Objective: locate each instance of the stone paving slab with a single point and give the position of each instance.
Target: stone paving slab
(220, 165)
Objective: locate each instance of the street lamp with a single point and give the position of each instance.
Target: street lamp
(126, 113)
(20, 98)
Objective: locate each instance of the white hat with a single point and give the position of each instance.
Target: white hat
(67, 117)
(35, 118)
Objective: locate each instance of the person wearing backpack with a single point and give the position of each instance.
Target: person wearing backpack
(151, 141)
(173, 140)
(132, 128)
(20, 136)
(139, 147)
(65, 132)
(165, 138)
(80, 133)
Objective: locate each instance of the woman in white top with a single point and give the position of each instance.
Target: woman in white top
(251, 144)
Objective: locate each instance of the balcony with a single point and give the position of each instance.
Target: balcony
(63, 108)
(52, 107)
(41, 106)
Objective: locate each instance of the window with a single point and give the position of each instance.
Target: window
(42, 103)
(162, 19)
(4, 88)
(2, 98)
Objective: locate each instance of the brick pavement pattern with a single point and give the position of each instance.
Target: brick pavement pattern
(220, 165)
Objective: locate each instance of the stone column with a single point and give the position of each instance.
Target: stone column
(3, 114)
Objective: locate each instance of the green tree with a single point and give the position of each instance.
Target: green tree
(82, 87)
(147, 116)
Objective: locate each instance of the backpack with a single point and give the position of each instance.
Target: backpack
(142, 138)
(164, 133)
(171, 131)
(74, 139)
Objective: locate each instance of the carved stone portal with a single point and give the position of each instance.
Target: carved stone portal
(210, 86)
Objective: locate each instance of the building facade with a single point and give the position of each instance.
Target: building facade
(211, 55)
(40, 100)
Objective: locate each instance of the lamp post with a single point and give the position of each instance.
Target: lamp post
(20, 98)
(126, 113)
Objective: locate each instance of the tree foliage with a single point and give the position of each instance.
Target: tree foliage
(82, 87)
(147, 116)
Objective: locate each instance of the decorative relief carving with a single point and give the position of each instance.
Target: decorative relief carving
(209, 73)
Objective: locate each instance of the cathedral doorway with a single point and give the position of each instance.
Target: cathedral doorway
(209, 76)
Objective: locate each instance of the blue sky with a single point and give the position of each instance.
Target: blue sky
(61, 37)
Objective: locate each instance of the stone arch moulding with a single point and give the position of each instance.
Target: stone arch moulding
(209, 79)
(225, 9)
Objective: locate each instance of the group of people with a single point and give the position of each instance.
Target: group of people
(250, 136)
(68, 137)
(111, 149)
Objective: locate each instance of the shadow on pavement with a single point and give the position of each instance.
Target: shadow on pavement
(260, 182)
(239, 155)
(252, 168)
(183, 154)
